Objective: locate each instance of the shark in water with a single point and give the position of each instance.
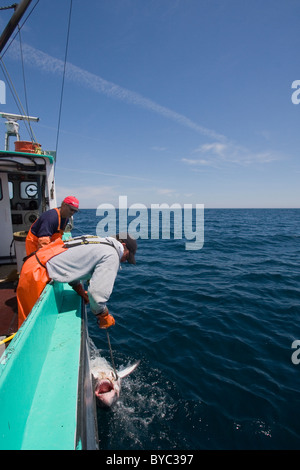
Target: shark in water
(107, 384)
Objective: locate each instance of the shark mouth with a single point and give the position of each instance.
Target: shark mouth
(105, 393)
(104, 386)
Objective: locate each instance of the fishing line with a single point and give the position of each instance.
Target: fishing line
(111, 354)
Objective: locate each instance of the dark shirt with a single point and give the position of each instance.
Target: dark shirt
(46, 224)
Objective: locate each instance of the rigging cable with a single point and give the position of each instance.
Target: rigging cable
(64, 74)
(29, 14)
(16, 98)
(7, 76)
(13, 91)
(14, 6)
(11, 86)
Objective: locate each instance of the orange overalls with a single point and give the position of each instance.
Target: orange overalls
(32, 241)
(34, 277)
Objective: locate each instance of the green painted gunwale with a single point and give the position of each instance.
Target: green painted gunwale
(9, 153)
(39, 375)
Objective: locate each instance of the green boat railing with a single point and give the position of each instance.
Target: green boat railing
(46, 393)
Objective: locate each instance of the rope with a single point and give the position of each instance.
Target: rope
(64, 73)
(7, 339)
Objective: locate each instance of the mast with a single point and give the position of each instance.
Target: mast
(13, 22)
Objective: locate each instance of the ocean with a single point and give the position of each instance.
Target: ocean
(214, 330)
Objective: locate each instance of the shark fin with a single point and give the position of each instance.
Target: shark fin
(123, 373)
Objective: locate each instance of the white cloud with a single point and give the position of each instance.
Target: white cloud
(217, 153)
(46, 63)
(198, 162)
(215, 148)
(221, 150)
(165, 191)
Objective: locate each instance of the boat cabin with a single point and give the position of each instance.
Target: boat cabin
(26, 188)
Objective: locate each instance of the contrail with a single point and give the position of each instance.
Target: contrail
(46, 63)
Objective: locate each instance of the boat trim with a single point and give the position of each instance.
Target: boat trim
(87, 427)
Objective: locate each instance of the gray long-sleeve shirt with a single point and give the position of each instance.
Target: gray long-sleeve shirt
(98, 263)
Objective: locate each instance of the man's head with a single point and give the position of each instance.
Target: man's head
(69, 206)
(130, 247)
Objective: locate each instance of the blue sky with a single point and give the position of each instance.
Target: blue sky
(166, 101)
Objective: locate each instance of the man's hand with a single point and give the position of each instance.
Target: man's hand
(105, 320)
(80, 291)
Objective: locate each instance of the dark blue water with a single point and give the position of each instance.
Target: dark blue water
(213, 329)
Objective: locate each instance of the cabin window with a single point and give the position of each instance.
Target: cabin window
(10, 190)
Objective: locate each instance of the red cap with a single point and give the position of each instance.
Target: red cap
(72, 201)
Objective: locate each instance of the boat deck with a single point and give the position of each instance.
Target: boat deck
(8, 303)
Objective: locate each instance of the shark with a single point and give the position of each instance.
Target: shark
(107, 382)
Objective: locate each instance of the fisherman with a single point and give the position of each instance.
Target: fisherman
(50, 225)
(79, 259)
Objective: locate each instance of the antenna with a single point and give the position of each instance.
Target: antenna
(12, 126)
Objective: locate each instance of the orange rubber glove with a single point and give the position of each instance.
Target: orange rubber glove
(105, 320)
